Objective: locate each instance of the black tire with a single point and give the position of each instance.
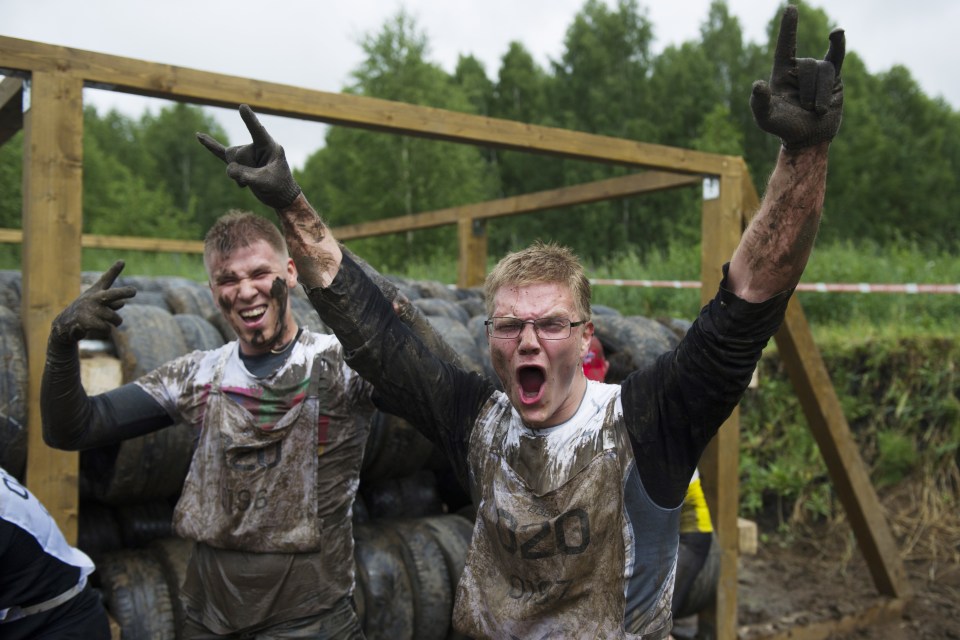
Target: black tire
(142, 523)
(97, 530)
(453, 534)
(153, 465)
(704, 588)
(642, 338)
(198, 334)
(13, 395)
(460, 340)
(388, 593)
(442, 307)
(151, 299)
(306, 316)
(429, 577)
(10, 282)
(411, 496)
(221, 325)
(193, 299)
(394, 449)
(136, 595)
(434, 289)
(173, 554)
(147, 338)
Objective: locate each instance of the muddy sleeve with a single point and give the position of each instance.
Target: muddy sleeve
(673, 408)
(438, 398)
(73, 420)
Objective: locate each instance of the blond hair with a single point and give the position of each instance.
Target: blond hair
(236, 229)
(541, 262)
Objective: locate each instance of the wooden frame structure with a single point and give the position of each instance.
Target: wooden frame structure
(52, 241)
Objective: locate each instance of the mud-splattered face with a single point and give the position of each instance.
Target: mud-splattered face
(543, 378)
(251, 287)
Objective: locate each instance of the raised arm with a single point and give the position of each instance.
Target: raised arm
(802, 104)
(262, 166)
(72, 419)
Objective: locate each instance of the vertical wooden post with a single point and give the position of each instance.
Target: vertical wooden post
(472, 264)
(721, 230)
(52, 219)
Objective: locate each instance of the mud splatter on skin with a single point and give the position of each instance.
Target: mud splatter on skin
(280, 293)
(303, 230)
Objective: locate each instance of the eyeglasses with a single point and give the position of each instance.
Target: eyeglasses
(545, 328)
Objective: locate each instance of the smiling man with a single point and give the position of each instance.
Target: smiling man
(281, 425)
(577, 484)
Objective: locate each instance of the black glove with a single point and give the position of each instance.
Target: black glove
(803, 102)
(94, 311)
(261, 165)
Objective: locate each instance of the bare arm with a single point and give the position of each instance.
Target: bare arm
(802, 104)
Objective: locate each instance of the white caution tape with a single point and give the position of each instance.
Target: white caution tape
(822, 287)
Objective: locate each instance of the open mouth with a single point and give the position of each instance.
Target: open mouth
(531, 381)
(251, 316)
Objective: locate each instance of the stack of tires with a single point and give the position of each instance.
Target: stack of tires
(411, 519)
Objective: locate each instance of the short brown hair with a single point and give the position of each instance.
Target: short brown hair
(541, 262)
(236, 229)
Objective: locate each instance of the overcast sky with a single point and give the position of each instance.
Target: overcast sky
(315, 43)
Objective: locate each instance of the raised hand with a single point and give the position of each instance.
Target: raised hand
(94, 311)
(803, 102)
(260, 165)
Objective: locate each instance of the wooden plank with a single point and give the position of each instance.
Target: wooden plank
(130, 243)
(189, 85)
(52, 193)
(721, 228)
(11, 108)
(472, 265)
(625, 186)
(849, 475)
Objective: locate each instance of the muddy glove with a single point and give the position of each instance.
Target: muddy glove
(260, 165)
(95, 311)
(803, 102)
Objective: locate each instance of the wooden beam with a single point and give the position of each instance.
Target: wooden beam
(621, 187)
(52, 199)
(722, 225)
(130, 243)
(11, 108)
(472, 240)
(179, 83)
(810, 378)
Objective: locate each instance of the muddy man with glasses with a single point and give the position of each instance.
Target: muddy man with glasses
(577, 484)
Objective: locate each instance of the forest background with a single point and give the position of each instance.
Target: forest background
(891, 212)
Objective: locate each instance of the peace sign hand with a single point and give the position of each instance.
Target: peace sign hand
(260, 165)
(94, 311)
(803, 102)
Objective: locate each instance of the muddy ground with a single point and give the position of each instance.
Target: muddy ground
(818, 575)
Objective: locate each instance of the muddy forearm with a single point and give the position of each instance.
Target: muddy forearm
(775, 247)
(311, 244)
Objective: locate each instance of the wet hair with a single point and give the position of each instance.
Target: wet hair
(539, 263)
(236, 229)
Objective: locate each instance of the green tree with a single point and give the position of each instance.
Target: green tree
(11, 182)
(117, 201)
(177, 164)
(362, 175)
